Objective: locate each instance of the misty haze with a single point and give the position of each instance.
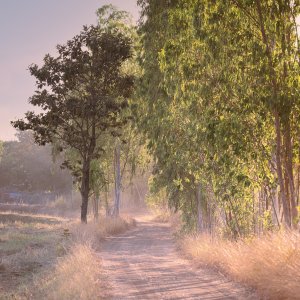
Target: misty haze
(149, 149)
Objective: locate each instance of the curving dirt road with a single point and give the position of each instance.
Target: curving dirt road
(144, 264)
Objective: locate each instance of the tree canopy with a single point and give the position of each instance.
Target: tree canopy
(220, 94)
(81, 93)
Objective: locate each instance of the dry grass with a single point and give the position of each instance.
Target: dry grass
(75, 276)
(51, 209)
(95, 231)
(162, 216)
(271, 263)
(61, 255)
(113, 226)
(28, 244)
(22, 220)
(64, 206)
(78, 274)
(165, 215)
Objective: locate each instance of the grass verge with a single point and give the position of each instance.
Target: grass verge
(270, 264)
(42, 260)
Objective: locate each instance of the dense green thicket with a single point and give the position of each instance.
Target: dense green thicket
(219, 106)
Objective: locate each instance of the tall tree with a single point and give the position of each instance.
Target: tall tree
(81, 92)
(220, 102)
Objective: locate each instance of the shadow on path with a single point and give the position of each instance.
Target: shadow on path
(144, 264)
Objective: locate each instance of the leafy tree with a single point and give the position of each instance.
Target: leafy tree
(82, 92)
(219, 89)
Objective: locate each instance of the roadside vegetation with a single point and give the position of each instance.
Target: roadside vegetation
(220, 108)
(47, 257)
(205, 94)
(269, 263)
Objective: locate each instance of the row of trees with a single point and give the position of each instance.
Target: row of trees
(220, 110)
(216, 100)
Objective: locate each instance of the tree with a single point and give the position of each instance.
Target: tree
(81, 92)
(115, 19)
(227, 120)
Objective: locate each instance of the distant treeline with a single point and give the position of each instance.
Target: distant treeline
(25, 166)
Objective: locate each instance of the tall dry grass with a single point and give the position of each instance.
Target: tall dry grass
(166, 215)
(270, 263)
(75, 276)
(93, 232)
(77, 273)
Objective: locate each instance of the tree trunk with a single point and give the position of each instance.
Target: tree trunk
(96, 206)
(200, 218)
(85, 189)
(107, 210)
(298, 185)
(260, 212)
(275, 207)
(289, 170)
(283, 198)
(117, 180)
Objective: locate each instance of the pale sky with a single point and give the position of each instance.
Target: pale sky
(28, 30)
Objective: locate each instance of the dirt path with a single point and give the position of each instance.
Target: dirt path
(144, 264)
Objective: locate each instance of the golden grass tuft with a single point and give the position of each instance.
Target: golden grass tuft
(113, 226)
(78, 274)
(270, 263)
(63, 258)
(95, 231)
(165, 215)
(75, 276)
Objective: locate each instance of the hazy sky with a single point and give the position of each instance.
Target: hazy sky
(28, 30)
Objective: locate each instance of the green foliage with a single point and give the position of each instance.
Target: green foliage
(213, 87)
(82, 93)
(157, 198)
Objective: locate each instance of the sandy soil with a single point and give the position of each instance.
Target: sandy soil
(144, 264)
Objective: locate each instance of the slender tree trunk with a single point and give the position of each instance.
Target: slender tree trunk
(236, 229)
(96, 206)
(107, 187)
(200, 218)
(260, 212)
(298, 184)
(275, 206)
(117, 180)
(107, 210)
(85, 189)
(289, 170)
(283, 198)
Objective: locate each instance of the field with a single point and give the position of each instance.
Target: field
(49, 257)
